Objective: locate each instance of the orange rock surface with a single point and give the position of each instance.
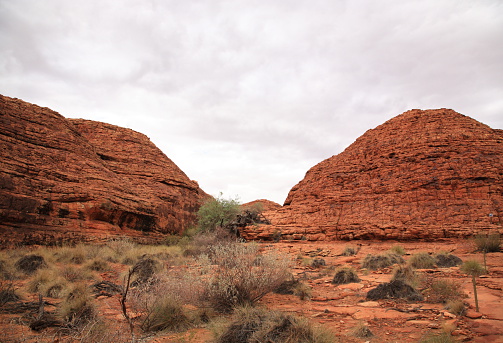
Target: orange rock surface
(421, 175)
(63, 180)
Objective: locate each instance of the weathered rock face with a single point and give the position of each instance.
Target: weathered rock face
(423, 174)
(263, 205)
(64, 179)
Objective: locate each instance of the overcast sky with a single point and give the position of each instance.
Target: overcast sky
(246, 95)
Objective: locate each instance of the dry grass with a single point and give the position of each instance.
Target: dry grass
(261, 325)
(345, 275)
(443, 290)
(374, 262)
(77, 307)
(422, 260)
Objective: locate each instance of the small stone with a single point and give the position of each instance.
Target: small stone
(473, 314)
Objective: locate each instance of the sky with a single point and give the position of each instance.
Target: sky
(246, 95)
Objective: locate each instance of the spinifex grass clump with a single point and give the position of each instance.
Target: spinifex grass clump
(77, 308)
(29, 264)
(345, 275)
(374, 262)
(252, 325)
(166, 314)
(406, 274)
(445, 260)
(488, 243)
(422, 260)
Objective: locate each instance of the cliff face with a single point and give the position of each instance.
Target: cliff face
(64, 180)
(423, 174)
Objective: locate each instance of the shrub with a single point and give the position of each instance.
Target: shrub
(261, 325)
(442, 337)
(7, 293)
(166, 314)
(374, 262)
(40, 280)
(318, 262)
(295, 287)
(97, 265)
(406, 274)
(345, 275)
(396, 289)
(217, 213)
(30, 263)
(443, 290)
(362, 331)
(446, 260)
(397, 250)
(203, 242)
(349, 251)
(422, 260)
(144, 270)
(456, 307)
(77, 307)
(243, 276)
(73, 273)
(488, 243)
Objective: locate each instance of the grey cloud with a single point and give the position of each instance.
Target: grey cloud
(245, 96)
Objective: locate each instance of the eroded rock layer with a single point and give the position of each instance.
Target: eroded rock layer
(64, 180)
(421, 175)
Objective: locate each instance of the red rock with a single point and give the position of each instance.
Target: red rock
(66, 180)
(264, 204)
(473, 314)
(421, 175)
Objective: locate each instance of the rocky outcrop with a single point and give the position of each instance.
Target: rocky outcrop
(262, 205)
(63, 180)
(421, 175)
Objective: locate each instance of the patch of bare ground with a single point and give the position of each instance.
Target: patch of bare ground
(344, 309)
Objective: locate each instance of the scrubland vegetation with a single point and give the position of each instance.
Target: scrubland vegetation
(209, 279)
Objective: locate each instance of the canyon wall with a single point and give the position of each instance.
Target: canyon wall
(69, 180)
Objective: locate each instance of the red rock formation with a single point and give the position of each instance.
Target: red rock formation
(262, 204)
(423, 174)
(63, 180)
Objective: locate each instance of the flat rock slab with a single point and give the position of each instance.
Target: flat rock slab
(380, 313)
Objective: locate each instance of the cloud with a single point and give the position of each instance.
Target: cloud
(245, 96)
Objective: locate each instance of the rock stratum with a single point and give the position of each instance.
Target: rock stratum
(71, 179)
(425, 174)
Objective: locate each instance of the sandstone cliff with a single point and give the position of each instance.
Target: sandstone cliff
(423, 174)
(66, 180)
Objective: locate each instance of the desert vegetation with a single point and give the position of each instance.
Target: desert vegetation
(210, 281)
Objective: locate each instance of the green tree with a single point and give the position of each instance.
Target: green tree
(473, 268)
(217, 212)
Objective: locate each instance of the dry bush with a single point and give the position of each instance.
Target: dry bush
(7, 293)
(345, 275)
(77, 307)
(97, 264)
(349, 251)
(446, 260)
(295, 287)
(374, 262)
(261, 325)
(406, 274)
(73, 273)
(166, 314)
(443, 290)
(318, 262)
(395, 289)
(456, 307)
(29, 264)
(362, 331)
(397, 250)
(488, 243)
(203, 242)
(443, 337)
(7, 270)
(73, 255)
(144, 270)
(243, 276)
(41, 278)
(422, 260)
